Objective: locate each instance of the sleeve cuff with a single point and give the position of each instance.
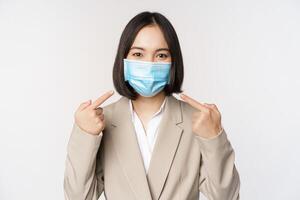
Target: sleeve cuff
(216, 143)
(202, 138)
(83, 140)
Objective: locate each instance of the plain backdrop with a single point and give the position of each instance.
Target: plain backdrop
(241, 55)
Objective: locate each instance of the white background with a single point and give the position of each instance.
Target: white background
(241, 55)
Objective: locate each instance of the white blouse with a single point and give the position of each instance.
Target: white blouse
(146, 140)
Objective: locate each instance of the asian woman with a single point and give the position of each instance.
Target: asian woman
(149, 144)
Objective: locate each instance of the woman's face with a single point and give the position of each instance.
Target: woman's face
(150, 45)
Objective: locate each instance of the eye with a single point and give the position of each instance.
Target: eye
(162, 55)
(137, 54)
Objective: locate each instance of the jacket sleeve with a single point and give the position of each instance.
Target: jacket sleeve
(83, 177)
(219, 178)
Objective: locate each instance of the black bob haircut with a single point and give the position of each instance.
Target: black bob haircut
(127, 38)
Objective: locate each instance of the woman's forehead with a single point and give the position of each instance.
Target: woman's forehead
(150, 38)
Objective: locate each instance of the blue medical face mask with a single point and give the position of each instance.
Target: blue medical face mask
(147, 78)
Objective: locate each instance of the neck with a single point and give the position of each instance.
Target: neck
(148, 105)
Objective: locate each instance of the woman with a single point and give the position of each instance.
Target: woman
(149, 144)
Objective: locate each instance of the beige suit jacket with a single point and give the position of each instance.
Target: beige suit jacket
(182, 163)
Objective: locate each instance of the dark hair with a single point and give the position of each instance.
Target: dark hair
(127, 38)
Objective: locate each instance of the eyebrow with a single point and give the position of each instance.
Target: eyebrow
(160, 49)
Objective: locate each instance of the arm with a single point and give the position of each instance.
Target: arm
(219, 179)
(83, 178)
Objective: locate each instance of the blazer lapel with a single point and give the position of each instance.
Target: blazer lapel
(168, 138)
(127, 149)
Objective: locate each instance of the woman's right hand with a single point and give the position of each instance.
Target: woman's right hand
(89, 117)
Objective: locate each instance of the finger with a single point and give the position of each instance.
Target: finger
(102, 123)
(193, 102)
(101, 99)
(212, 106)
(101, 116)
(99, 111)
(84, 105)
(209, 105)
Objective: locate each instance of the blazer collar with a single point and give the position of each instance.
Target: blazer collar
(146, 186)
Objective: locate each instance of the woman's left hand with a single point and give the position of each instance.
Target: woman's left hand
(206, 122)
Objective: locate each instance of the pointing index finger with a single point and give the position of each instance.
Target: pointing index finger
(193, 102)
(101, 99)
